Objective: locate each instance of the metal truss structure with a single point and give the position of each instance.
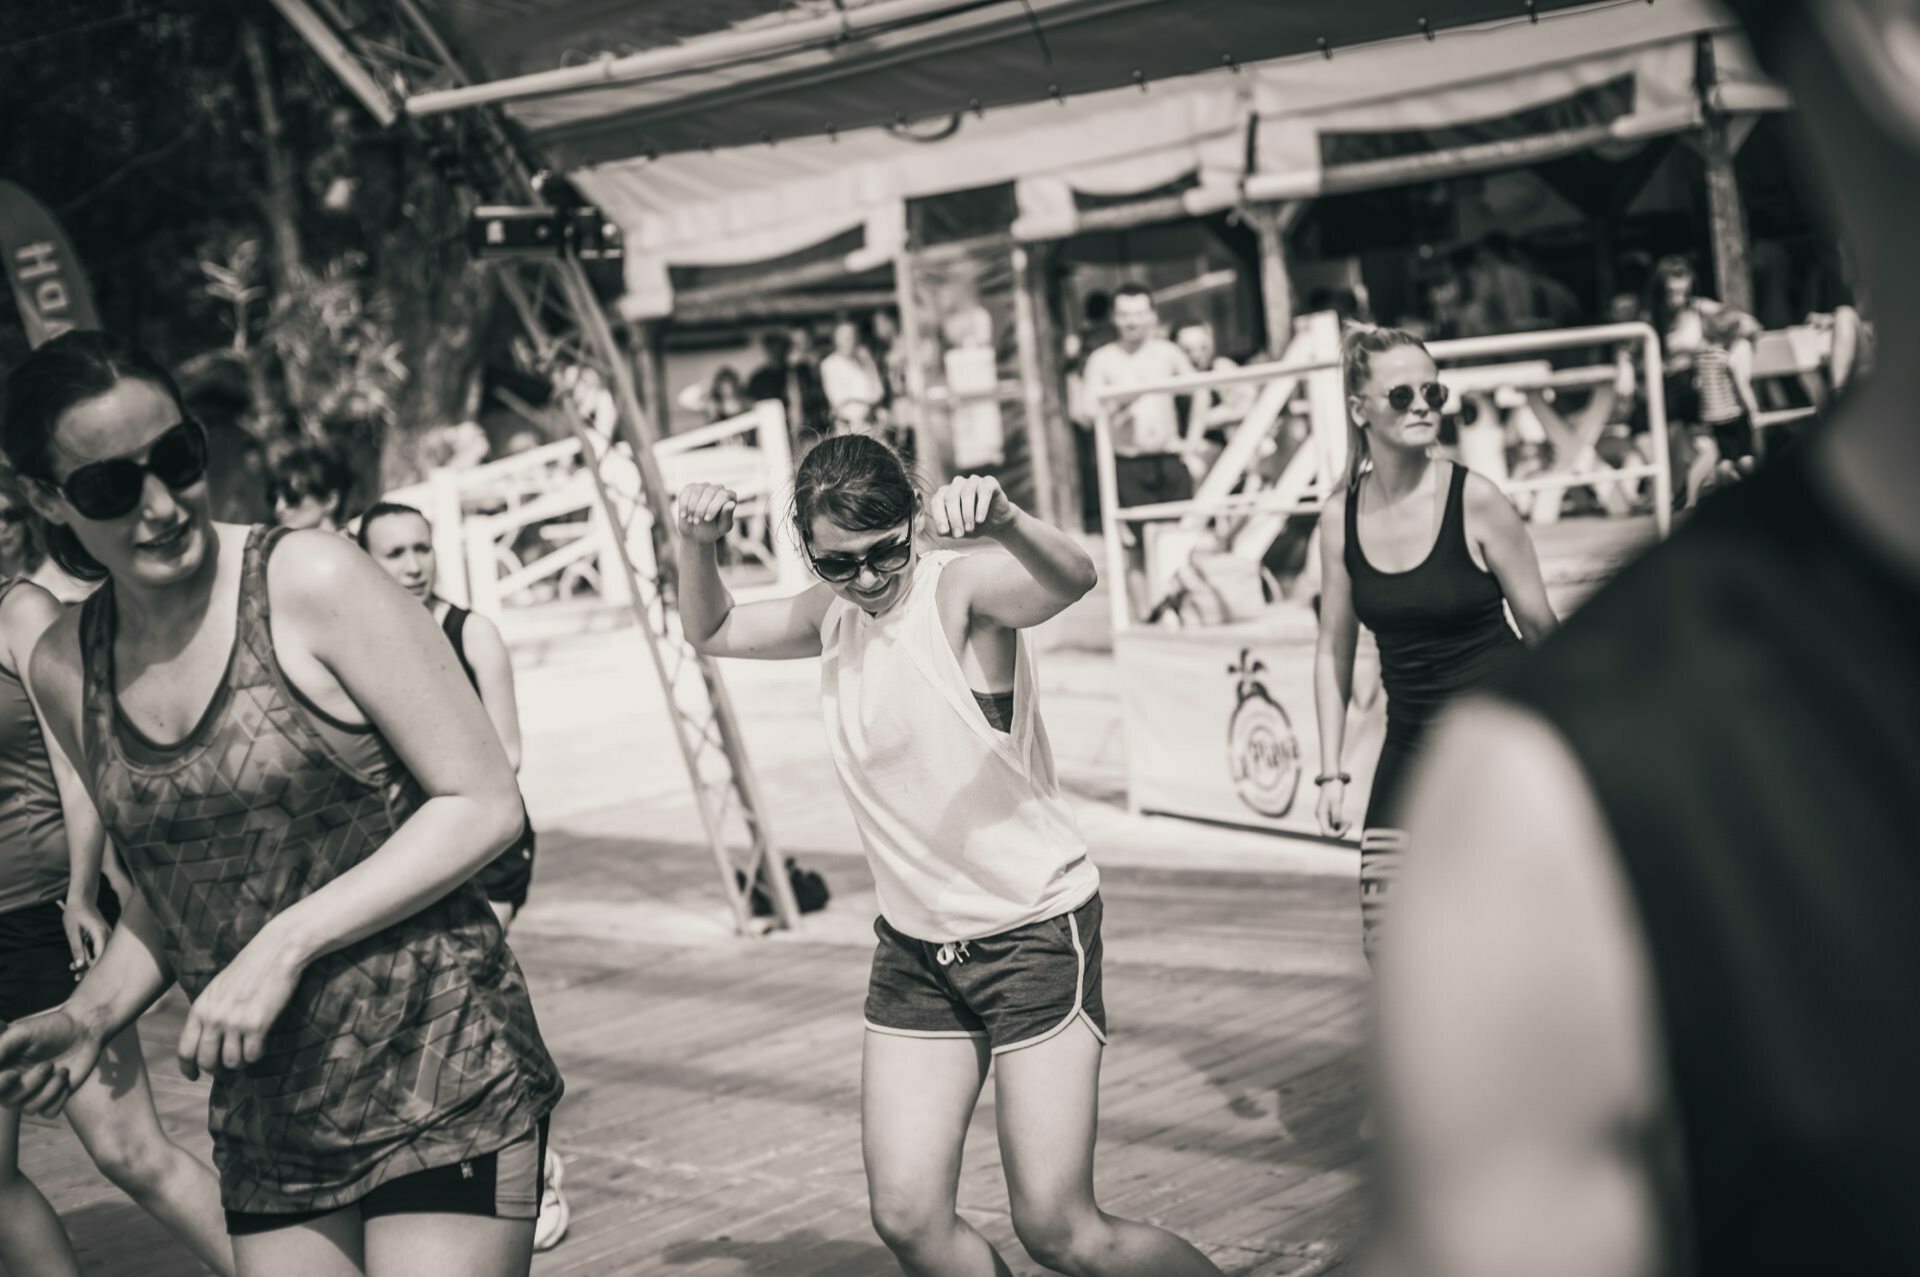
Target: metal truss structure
(384, 50)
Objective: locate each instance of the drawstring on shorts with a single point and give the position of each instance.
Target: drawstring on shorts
(953, 951)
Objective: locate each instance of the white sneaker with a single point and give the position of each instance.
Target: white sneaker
(554, 1212)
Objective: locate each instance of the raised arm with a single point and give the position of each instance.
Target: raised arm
(493, 668)
(774, 629)
(1510, 557)
(1333, 662)
(1043, 572)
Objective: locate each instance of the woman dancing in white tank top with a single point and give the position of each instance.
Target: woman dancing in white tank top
(989, 934)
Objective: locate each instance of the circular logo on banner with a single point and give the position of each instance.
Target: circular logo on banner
(1263, 754)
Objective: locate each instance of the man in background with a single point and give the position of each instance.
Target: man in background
(1156, 459)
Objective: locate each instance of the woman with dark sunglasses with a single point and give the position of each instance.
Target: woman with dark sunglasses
(989, 935)
(1428, 556)
(303, 787)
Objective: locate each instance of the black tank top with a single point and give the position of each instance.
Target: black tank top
(454, 626)
(1441, 626)
(1745, 703)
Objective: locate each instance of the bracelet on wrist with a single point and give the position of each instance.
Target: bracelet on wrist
(1330, 777)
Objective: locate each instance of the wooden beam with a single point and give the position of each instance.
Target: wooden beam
(929, 446)
(1056, 476)
(1271, 222)
(779, 306)
(1726, 216)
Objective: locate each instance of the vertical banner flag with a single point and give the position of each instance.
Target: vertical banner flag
(48, 284)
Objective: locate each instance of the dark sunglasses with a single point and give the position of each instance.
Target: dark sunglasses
(885, 559)
(13, 514)
(1400, 398)
(111, 489)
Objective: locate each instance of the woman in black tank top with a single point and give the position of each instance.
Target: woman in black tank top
(1436, 601)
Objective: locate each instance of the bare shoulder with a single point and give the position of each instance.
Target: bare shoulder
(1519, 1047)
(1484, 499)
(25, 613)
(312, 568)
(1333, 517)
(966, 574)
(55, 666)
(1517, 896)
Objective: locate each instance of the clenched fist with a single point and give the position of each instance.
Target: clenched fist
(706, 512)
(971, 506)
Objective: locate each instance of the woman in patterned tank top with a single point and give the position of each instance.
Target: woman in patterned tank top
(302, 785)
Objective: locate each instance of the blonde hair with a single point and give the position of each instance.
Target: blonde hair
(1357, 349)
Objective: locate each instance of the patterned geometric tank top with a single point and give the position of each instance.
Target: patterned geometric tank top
(412, 1048)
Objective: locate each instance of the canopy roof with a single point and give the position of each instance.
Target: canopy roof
(725, 132)
(605, 80)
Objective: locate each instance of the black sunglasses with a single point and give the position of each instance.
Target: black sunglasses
(13, 514)
(885, 559)
(1400, 398)
(111, 489)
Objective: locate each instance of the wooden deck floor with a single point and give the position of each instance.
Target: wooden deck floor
(711, 1121)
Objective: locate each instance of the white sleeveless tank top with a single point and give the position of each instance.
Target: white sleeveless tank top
(964, 825)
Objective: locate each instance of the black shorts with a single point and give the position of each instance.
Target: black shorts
(36, 966)
(504, 1184)
(508, 876)
(1734, 438)
(1013, 989)
(1151, 479)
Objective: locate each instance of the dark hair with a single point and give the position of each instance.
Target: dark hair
(1357, 349)
(857, 482)
(384, 510)
(311, 470)
(1660, 311)
(60, 375)
(11, 489)
(1131, 289)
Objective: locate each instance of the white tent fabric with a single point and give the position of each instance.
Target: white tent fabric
(754, 203)
(1492, 71)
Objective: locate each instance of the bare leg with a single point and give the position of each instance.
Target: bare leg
(331, 1246)
(1049, 1097)
(112, 1113)
(916, 1098)
(448, 1246)
(31, 1239)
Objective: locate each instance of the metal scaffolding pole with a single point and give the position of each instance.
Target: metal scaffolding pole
(571, 336)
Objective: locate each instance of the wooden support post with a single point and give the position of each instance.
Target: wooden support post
(1271, 222)
(648, 350)
(929, 444)
(1726, 214)
(1056, 477)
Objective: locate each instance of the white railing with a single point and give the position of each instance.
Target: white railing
(1253, 516)
(505, 528)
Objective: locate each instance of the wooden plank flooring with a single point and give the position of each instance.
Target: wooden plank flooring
(711, 1125)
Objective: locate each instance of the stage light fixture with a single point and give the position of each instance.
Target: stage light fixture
(582, 232)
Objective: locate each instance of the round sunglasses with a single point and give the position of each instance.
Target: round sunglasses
(885, 559)
(1400, 398)
(111, 489)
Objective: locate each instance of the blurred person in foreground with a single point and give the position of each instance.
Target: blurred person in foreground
(1647, 1002)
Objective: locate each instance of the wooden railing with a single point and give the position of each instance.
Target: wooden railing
(530, 528)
